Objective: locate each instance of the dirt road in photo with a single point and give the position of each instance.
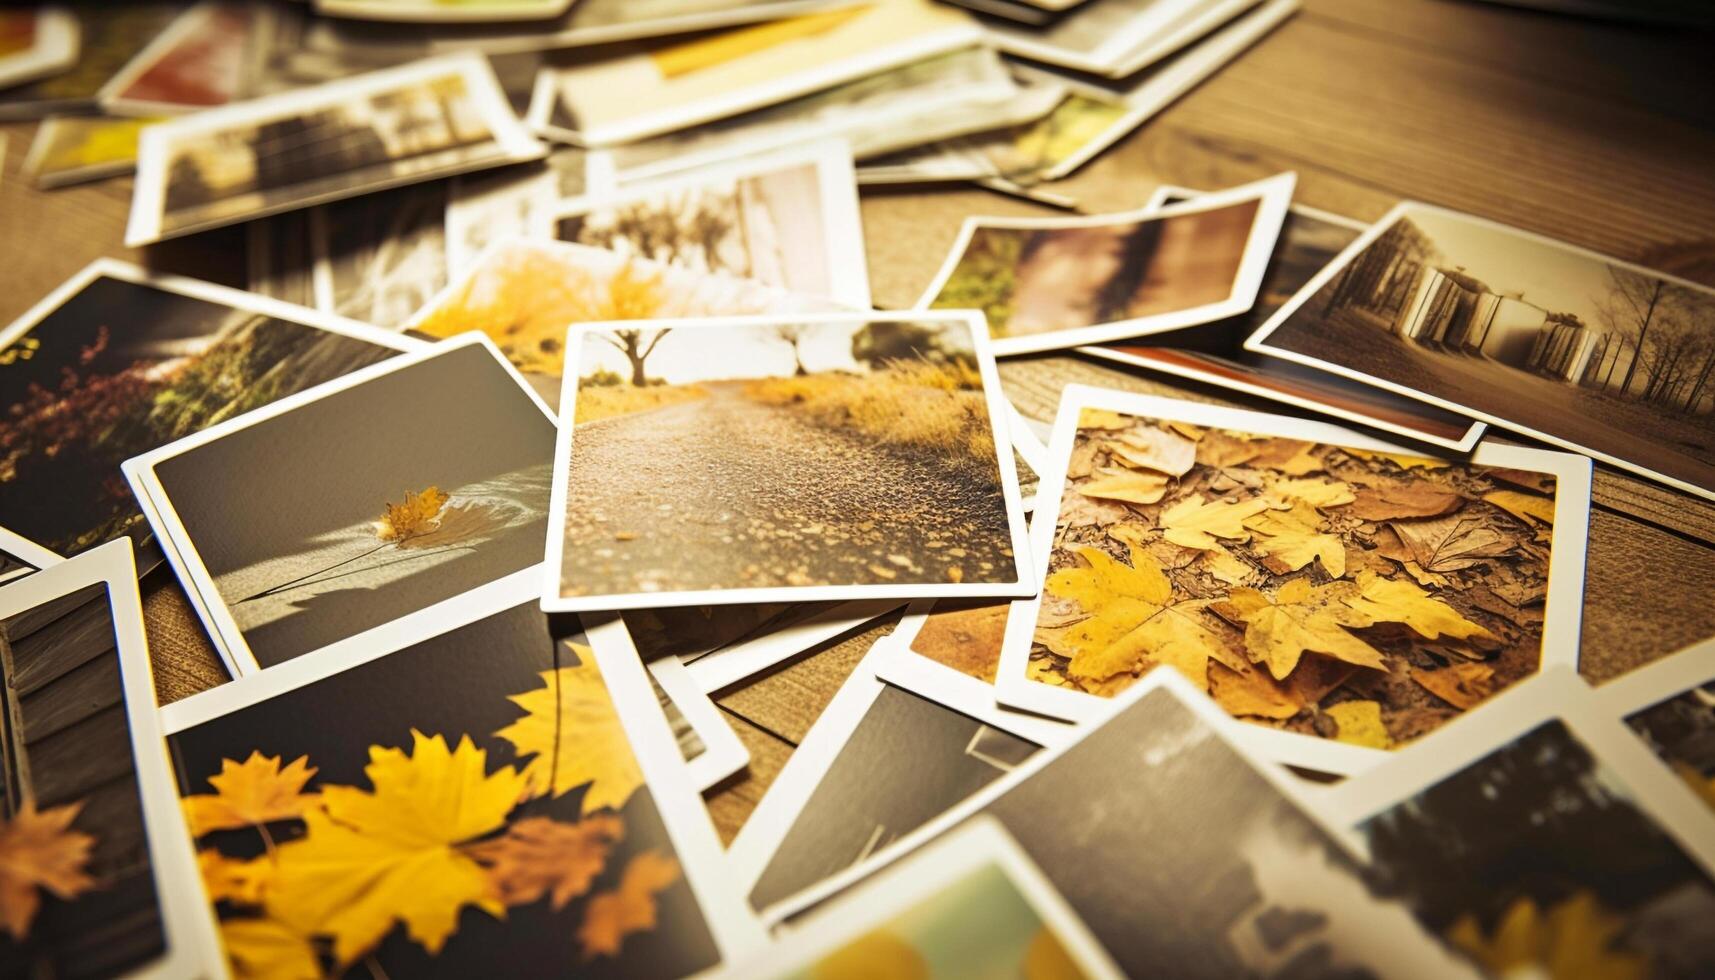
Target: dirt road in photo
(725, 490)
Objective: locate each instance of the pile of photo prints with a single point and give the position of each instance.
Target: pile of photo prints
(556, 403)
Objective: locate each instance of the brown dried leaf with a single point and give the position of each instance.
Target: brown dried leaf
(419, 514)
(1390, 501)
(539, 856)
(1251, 693)
(1155, 449)
(1542, 483)
(1298, 619)
(1461, 685)
(613, 915)
(1294, 539)
(40, 852)
(1127, 485)
(1451, 543)
(1192, 523)
(1289, 456)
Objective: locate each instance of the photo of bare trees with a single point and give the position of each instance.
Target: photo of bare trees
(1603, 357)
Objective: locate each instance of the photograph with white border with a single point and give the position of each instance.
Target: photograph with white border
(1670, 704)
(723, 645)
(711, 749)
(55, 38)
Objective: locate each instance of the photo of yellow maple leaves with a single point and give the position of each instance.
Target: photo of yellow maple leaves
(1359, 596)
(527, 822)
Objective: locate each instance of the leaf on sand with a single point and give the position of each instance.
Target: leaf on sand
(1191, 523)
(370, 858)
(1127, 485)
(1300, 618)
(1360, 723)
(1317, 493)
(1401, 460)
(228, 879)
(1461, 685)
(1451, 543)
(1576, 939)
(1101, 418)
(613, 915)
(572, 729)
(1133, 623)
(264, 949)
(1386, 600)
(1526, 507)
(1155, 449)
(255, 791)
(419, 514)
(1294, 539)
(538, 856)
(40, 852)
(1390, 501)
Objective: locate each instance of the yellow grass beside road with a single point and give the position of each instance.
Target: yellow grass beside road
(933, 407)
(606, 401)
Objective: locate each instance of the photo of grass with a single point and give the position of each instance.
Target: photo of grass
(844, 450)
(122, 367)
(1358, 596)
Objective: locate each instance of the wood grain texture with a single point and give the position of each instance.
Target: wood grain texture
(1594, 133)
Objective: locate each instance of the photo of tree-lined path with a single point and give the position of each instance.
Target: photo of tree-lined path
(779, 455)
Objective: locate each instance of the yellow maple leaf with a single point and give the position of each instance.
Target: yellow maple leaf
(1316, 493)
(1192, 523)
(229, 879)
(419, 514)
(1301, 618)
(572, 729)
(1133, 621)
(369, 858)
(1295, 539)
(1101, 418)
(1360, 723)
(1155, 449)
(263, 949)
(255, 791)
(1524, 506)
(1461, 685)
(40, 852)
(1127, 485)
(1252, 693)
(539, 856)
(1387, 600)
(613, 915)
(1575, 940)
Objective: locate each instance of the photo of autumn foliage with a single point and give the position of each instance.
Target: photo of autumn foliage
(122, 368)
(469, 806)
(1537, 858)
(1365, 597)
(761, 454)
(1681, 731)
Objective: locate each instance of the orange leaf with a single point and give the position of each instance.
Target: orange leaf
(538, 856)
(255, 791)
(39, 850)
(1461, 685)
(630, 908)
(419, 514)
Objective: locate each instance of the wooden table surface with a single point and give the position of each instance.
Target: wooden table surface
(1597, 134)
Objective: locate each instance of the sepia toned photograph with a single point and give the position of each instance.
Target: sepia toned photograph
(380, 257)
(1343, 593)
(682, 82)
(70, 150)
(343, 510)
(36, 42)
(312, 145)
(1553, 341)
(970, 904)
(523, 293)
(840, 456)
(206, 58)
(99, 877)
(1048, 283)
(485, 799)
(104, 45)
(118, 362)
(788, 220)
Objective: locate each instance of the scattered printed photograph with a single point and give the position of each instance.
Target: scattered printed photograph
(1554, 341)
(312, 145)
(73, 149)
(1308, 584)
(834, 456)
(1045, 283)
(118, 362)
(105, 44)
(98, 877)
(36, 42)
(366, 502)
(470, 804)
(1538, 857)
(1670, 704)
(206, 58)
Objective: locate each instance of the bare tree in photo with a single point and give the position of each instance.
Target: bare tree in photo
(636, 345)
(793, 333)
(1630, 311)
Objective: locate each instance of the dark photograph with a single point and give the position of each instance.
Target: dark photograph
(1681, 732)
(467, 806)
(371, 503)
(122, 368)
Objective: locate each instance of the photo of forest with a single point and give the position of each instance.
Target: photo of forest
(1537, 856)
(1681, 731)
(796, 432)
(122, 368)
(1537, 335)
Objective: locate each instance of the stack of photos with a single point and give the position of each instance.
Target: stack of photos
(1047, 283)
(761, 459)
(1557, 342)
(1340, 593)
(1214, 353)
(430, 119)
(1112, 38)
(789, 220)
(340, 516)
(685, 82)
(101, 46)
(843, 794)
(36, 43)
(117, 362)
(497, 797)
(1543, 838)
(444, 11)
(969, 904)
(1197, 857)
(100, 879)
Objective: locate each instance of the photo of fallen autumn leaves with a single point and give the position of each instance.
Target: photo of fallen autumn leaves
(469, 805)
(1351, 594)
